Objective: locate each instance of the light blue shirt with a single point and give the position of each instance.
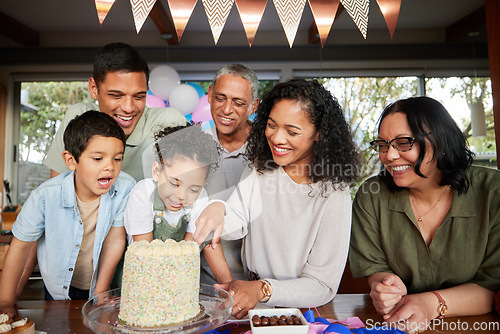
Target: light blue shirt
(51, 216)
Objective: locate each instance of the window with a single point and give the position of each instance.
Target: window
(457, 94)
(42, 107)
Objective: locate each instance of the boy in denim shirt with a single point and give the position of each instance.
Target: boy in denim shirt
(76, 217)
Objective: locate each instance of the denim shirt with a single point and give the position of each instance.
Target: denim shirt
(51, 216)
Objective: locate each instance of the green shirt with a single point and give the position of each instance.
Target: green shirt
(152, 120)
(466, 247)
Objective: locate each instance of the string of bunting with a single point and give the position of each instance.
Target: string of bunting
(251, 12)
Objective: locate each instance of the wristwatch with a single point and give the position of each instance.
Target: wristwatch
(267, 290)
(442, 307)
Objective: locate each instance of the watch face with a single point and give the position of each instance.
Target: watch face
(442, 310)
(267, 289)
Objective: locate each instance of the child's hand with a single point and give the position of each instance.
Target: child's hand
(211, 219)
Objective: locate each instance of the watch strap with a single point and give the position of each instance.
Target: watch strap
(267, 290)
(442, 307)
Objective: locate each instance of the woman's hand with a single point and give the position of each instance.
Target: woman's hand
(414, 312)
(386, 291)
(246, 294)
(210, 219)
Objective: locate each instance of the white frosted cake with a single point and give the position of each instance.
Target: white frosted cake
(161, 282)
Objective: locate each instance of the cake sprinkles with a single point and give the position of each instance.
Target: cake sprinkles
(160, 283)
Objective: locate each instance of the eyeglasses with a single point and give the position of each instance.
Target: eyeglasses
(400, 144)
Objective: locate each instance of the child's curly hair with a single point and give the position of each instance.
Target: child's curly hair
(335, 158)
(187, 141)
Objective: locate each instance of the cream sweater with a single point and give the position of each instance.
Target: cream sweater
(295, 238)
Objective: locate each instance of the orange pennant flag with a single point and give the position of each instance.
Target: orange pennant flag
(181, 11)
(324, 12)
(140, 10)
(390, 9)
(103, 7)
(290, 12)
(251, 12)
(217, 13)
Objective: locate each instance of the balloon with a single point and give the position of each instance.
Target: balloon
(198, 88)
(202, 112)
(184, 98)
(162, 80)
(207, 125)
(154, 102)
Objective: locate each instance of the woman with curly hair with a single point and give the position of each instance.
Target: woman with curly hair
(426, 230)
(293, 209)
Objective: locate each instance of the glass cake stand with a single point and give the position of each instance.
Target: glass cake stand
(100, 314)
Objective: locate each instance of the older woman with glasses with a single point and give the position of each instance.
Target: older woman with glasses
(426, 230)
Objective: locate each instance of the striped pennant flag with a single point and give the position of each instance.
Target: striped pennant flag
(181, 11)
(390, 10)
(103, 7)
(358, 11)
(140, 10)
(217, 12)
(290, 12)
(324, 12)
(251, 12)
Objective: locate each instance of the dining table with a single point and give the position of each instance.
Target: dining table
(66, 316)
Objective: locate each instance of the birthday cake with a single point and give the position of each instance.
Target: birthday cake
(161, 282)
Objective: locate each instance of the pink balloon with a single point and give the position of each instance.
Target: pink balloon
(202, 111)
(154, 101)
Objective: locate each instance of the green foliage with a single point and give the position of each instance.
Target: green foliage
(39, 124)
(471, 90)
(363, 100)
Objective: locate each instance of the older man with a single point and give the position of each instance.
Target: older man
(233, 98)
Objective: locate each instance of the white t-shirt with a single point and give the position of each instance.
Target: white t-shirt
(139, 212)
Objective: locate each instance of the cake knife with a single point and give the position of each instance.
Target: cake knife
(207, 240)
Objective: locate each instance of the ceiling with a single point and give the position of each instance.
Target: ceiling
(70, 28)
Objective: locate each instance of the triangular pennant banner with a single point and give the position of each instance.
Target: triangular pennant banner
(103, 7)
(181, 11)
(217, 13)
(390, 10)
(358, 11)
(251, 12)
(290, 12)
(324, 13)
(140, 10)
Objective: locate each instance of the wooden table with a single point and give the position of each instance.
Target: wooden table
(66, 316)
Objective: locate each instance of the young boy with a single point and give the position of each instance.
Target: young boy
(76, 217)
